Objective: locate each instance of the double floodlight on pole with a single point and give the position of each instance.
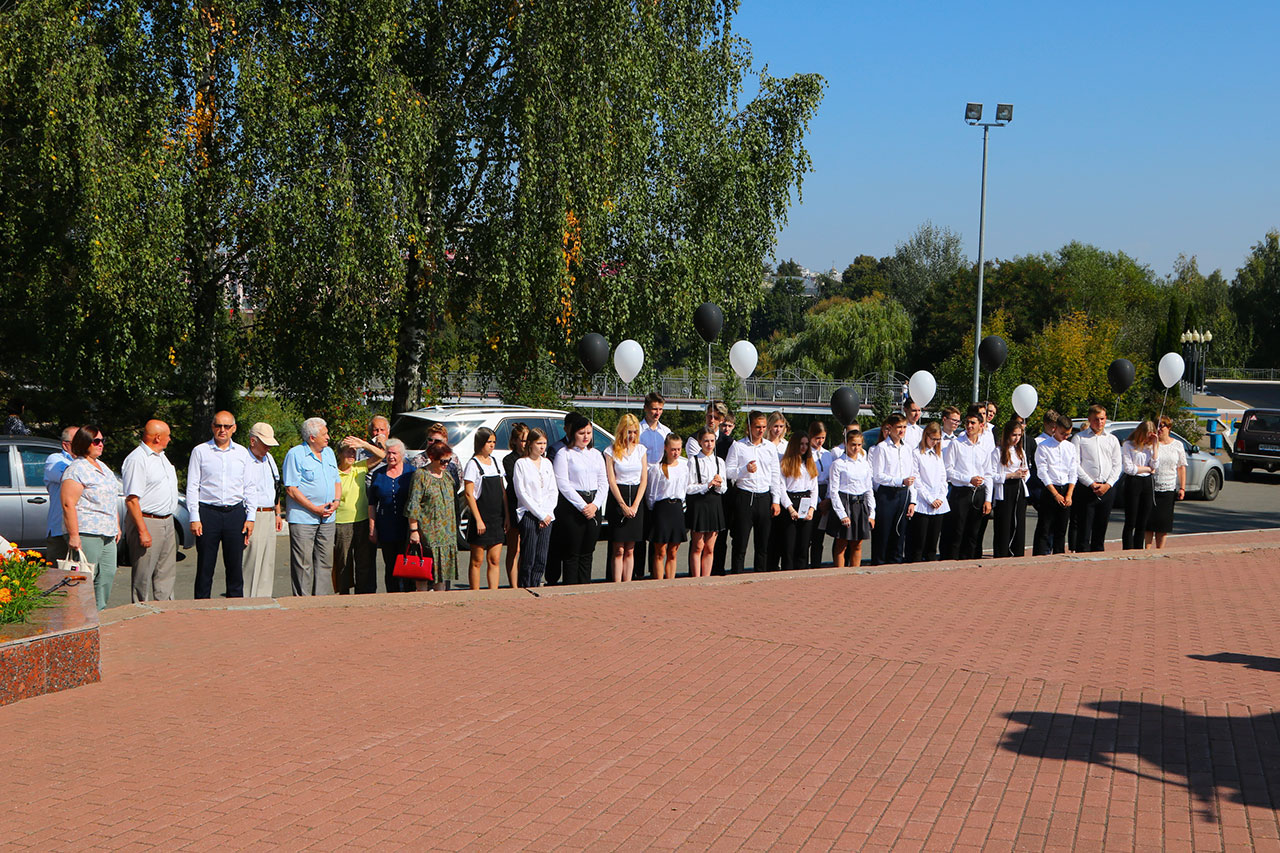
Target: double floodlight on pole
(973, 116)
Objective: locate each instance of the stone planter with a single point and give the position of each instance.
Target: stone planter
(55, 649)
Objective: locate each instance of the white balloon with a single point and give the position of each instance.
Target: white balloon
(628, 358)
(743, 358)
(1025, 400)
(922, 386)
(1171, 368)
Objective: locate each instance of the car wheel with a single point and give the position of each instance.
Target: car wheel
(1212, 484)
(1240, 471)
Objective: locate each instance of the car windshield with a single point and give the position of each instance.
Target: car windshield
(412, 429)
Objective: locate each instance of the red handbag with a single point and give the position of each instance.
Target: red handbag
(413, 566)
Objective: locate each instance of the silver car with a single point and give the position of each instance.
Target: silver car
(24, 501)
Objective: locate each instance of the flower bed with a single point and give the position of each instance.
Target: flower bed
(19, 591)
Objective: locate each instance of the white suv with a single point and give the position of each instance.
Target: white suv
(463, 421)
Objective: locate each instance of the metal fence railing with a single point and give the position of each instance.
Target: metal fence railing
(1266, 374)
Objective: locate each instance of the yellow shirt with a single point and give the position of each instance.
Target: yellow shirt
(354, 504)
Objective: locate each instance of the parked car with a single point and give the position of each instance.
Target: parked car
(1257, 442)
(461, 422)
(24, 501)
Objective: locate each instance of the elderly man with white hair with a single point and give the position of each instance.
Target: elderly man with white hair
(311, 483)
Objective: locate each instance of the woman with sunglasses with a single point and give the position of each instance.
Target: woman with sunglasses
(90, 498)
(1169, 481)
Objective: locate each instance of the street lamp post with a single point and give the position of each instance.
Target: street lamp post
(1196, 344)
(973, 116)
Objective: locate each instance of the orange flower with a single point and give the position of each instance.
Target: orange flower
(5, 596)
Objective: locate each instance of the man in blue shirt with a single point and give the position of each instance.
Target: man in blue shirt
(310, 477)
(54, 466)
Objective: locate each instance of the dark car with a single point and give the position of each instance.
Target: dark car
(1257, 443)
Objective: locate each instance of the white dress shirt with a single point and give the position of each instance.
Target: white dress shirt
(1099, 457)
(581, 470)
(150, 477)
(627, 469)
(216, 476)
(911, 438)
(931, 482)
(673, 485)
(891, 463)
(653, 439)
(536, 490)
(850, 476)
(987, 438)
(767, 476)
(704, 469)
(823, 459)
(965, 460)
(1132, 458)
(475, 473)
(1169, 458)
(1000, 472)
(806, 482)
(780, 446)
(263, 476)
(1057, 462)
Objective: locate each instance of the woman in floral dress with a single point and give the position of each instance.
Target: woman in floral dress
(431, 515)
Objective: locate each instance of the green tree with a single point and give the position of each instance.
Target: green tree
(843, 339)
(1255, 299)
(926, 260)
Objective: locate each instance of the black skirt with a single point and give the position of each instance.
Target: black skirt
(668, 522)
(622, 529)
(1161, 518)
(856, 508)
(705, 513)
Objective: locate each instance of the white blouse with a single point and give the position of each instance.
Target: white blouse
(626, 470)
(536, 490)
(1169, 458)
(673, 485)
(823, 458)
(475, 472)
(702, 470)
(806, 482)
(851, 476)
(1132, 458)
(930, 484)
(1000, 473)
(581, 470)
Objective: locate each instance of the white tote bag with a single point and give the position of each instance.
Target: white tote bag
(77, 562)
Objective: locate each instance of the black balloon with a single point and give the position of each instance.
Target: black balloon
(845, 405)
(593, 350)
(1120, 375)
(708, 319)
(992, 352)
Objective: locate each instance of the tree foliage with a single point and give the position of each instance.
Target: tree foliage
(842, 339)
(1255, 299)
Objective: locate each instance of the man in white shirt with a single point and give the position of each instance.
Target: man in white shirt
(263, 499)
(653, 436)
(950, 423)
(54, 466)
(216, 477)
(892, 473)
(1099, 470)
(969, 473)
(1057, 466)
(914, 432)
(1035, 488)
(752, 466)
(150, 500)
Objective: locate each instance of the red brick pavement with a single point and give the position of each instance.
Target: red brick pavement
(1039, 704)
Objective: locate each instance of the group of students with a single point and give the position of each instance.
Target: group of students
(925, 491)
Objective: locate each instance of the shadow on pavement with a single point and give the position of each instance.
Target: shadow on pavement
(1201, 517)
(1238, 756)
(1259, 662)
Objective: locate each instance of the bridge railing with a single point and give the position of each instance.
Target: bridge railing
(1266, 374)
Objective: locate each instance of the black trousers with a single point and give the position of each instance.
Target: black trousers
(534, 542)
(222, 526)
(1089, 517)
(579, 535)
(818, 536)
(924, 531)
(791, 539)
(752, 516)
(722, 541)
(1009, 539)
(1139, 500)
(889, 537)
(389, 553)
(1051, 525)
(963, 526)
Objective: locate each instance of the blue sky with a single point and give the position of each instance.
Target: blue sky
(1148, 128)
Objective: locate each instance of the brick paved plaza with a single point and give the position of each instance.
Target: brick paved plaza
(1047, 703)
